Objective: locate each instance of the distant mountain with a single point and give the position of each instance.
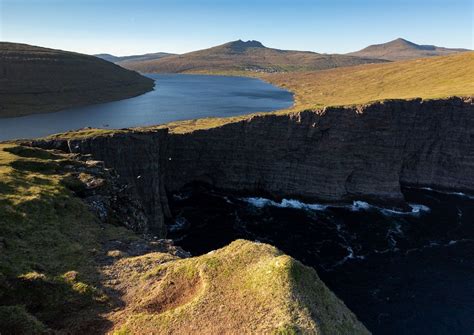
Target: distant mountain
(400, 49)
(39, 80)
(245, 56)
(120, 59)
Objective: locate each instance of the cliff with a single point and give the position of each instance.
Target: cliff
(137, 157)
(333, 154)
(41, 80)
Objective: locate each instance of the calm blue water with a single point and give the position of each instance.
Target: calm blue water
(175, 97)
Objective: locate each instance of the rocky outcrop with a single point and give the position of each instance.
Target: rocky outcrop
(136, 157)
(334, 154)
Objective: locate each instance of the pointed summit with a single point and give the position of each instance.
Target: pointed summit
(241, 46)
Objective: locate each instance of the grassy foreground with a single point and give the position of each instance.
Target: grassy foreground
(48, 244)
(244, 288)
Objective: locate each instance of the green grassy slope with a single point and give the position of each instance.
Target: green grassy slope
(49, 241)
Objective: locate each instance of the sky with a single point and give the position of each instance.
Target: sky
(125, 27)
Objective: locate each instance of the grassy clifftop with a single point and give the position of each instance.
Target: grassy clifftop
(39, 80)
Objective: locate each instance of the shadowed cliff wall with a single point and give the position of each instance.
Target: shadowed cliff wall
(137, 158)
(334, 154)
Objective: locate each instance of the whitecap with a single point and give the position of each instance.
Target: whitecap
(285, 203)
(356, 206)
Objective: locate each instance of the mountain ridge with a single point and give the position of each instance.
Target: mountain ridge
(249, 56)
(402, 49)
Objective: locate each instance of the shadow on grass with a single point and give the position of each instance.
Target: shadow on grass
(35, 303)
(30, 152)
(42, 240)
(46, 167)
(5, 188)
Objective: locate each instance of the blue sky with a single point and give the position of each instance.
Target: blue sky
(125, 27)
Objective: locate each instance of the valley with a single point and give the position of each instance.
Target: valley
(238, 189)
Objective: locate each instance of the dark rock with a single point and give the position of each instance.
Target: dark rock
(335, 154)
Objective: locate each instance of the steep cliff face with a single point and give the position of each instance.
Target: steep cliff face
(334, 154)
(136, 157)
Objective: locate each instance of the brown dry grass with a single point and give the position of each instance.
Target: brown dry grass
(426, 78)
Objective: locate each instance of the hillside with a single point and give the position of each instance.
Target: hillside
(250, 56)
(434, 77)
(39, 80)
(428, 78)
(401, 49)
(120, 59)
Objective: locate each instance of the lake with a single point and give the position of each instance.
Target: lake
(175, 97)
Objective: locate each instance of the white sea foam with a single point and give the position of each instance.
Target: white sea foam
(356, 206)
(285, 203)
(416, 209)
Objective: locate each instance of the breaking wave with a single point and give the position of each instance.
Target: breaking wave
(356, 206)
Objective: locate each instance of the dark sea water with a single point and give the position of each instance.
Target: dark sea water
(175, 97)
(400, 273)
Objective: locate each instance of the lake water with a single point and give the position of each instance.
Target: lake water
(175, 97)
(400, 273)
